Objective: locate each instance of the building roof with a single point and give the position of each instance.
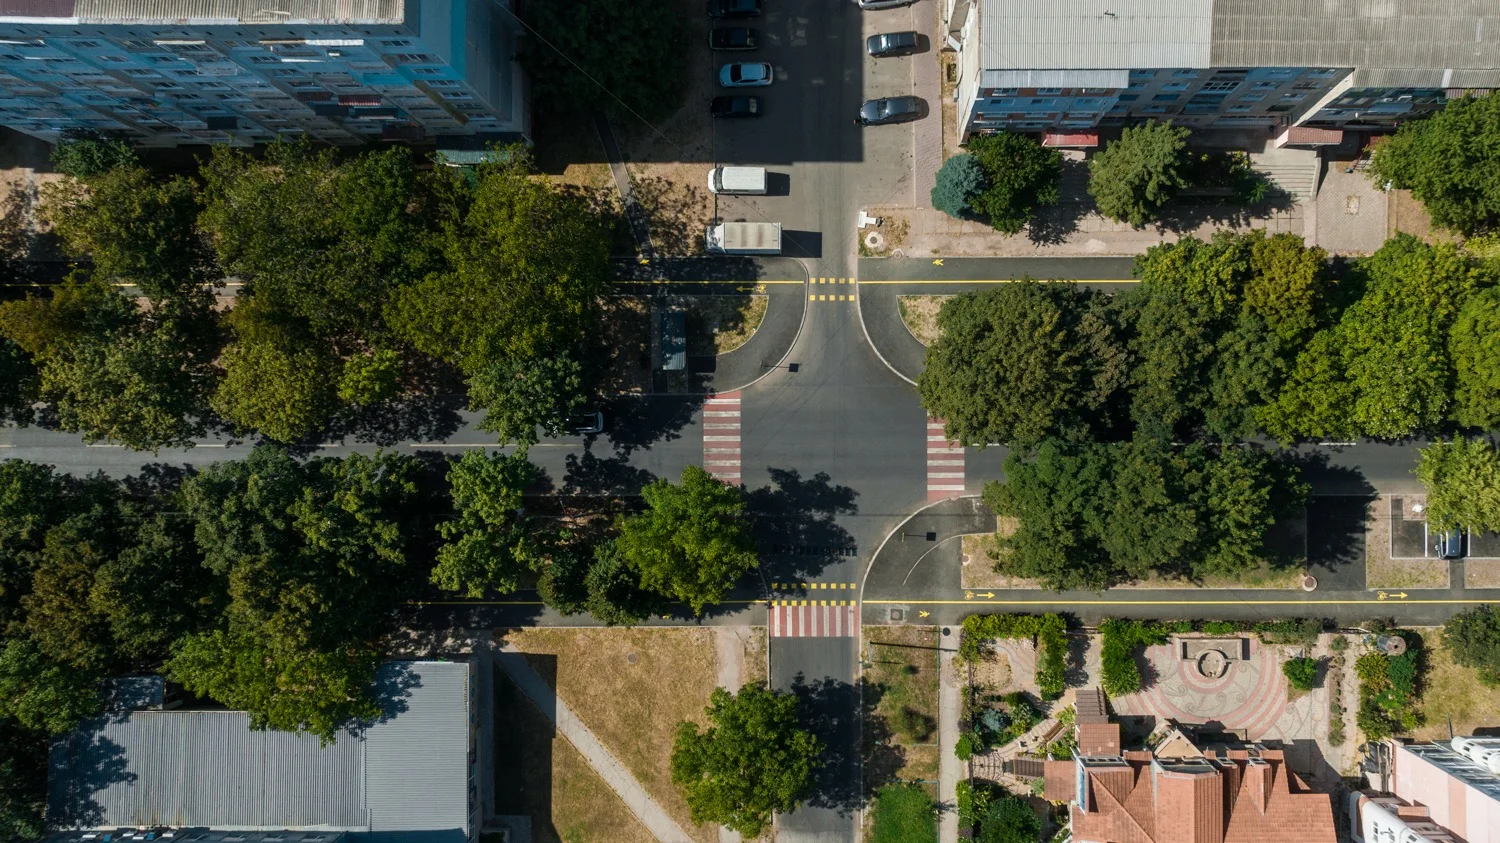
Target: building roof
(1098, 738)
(1398, 43)
(209, 769)
(207, 12)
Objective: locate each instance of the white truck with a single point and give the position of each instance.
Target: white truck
(745, 238)
(737, 180)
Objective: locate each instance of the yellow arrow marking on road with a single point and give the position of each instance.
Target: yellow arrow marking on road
(937, 261)
(1399, 595)
(923, 614)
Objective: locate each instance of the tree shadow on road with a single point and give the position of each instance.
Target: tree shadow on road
(831, 710)
(590, 475)
(795, 523)
(637, 421)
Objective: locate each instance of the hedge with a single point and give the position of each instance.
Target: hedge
(1050, 632)
(1121, 639)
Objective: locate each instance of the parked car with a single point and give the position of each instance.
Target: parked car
(734, 8)
(735, 107)
(889, 110)
(888, 44)
(746, 74)
(734, 38)
(587, 423)
(877, 5)
(1450, 544)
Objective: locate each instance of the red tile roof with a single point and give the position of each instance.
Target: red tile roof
(1098, 738)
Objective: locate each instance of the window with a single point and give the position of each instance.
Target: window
(112, 59)
(428, 71)
(1154, 109)
(1220, 85)
(1048, 92)
(1239, 109)
(1267, 86)
(1164, 98)
(1324, 72)
(1005, 92)
(1291, 97)
(1175, 86)
(1252, 97)
(1129, 97)
(414, 58)
(395, 43)
(86, 45)
(1142, 74)
(1185, 73)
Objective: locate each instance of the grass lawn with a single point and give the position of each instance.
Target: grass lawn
(553, 784)
(920, 315)
(631, 687)
(1264, 576)
(1454, 691)
(904, 676)
(719, 324)
(903, 814)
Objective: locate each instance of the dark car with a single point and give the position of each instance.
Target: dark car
(1450, 544)
(586, 424)
(889, 44)
(734, 8)
(889, 110)
(734, 38)
(735, 107)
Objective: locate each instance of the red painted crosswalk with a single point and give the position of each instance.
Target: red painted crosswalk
(945, 463)
(809, 619)
(721, 437)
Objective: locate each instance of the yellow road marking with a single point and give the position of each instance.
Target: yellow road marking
(811, 297)
(626, 283)
(1010, 281)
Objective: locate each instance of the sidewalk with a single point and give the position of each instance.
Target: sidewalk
(949, 767)
(652, 816)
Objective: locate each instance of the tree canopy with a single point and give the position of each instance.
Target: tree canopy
(490, 545)
(1448, 161)
(1462, 479)
(1020, 177)
(958, 181)
(1135, 176)
(1024, 361)
(1473, 637)
(754, 758)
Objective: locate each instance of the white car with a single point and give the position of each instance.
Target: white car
(746, 74)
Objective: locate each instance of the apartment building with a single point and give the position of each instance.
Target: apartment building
(1076, 65)
(1439, 792)
(169, 72)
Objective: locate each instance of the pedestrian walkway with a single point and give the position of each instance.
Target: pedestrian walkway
(721, 437)
(945, 463)
(647, 810)
(949, 770)
(814, 618)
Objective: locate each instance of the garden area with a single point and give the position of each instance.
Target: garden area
(901, 697)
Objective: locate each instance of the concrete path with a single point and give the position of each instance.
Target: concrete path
(949, 768)
(729, 657)
(652, 815)
(633, 211)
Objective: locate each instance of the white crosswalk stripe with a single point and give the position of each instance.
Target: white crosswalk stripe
(945, 463)
(813, 619)
(721, 437)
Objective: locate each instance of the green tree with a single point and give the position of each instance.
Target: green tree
(958, 181)
(1473, 637)
(1447, 162)
(754, 758)
(614, 593)
(1462, 479)
(1009, 820)
(59, 616)
(1241, 494)
(137, 227)
(1301, 673)
(490, 545)
(1022, 362)
(692, 542)
(23, 783)
(1474, 346)
(371, 377)
(1020, 177)
(32, 499)
(1055, 497)
(155, 591)
(1135, 176)
(523, 396)
(1383, 370)
(316, 560)
(41, 693)
(84, 154)
(630, 58)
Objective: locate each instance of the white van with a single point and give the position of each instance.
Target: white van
(730, 180)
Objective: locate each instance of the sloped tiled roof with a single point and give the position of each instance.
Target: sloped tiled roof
(1098, 739)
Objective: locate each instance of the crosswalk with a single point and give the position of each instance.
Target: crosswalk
(721, 437)
(814, 619)
(945, 463)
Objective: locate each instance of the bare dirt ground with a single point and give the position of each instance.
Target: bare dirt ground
(1382, 571)
(1407, 214)
(677, 203)
(920, 315)
(979, 556)
(886, 239)
(1482, 573)
(627, 335)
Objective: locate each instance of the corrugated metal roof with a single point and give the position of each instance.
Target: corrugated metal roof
(1054, 78)
(417, 763)
(1094, 34)
(209, 769)
(178, 12)
(1394, 34)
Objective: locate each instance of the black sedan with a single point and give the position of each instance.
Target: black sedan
(735, 107)
(890, 110)
(734, 8)
(734, 38)
(888, 44)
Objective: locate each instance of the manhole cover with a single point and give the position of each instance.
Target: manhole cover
(1351, 204)
(631, 658)
(875, 240)
(898, 614)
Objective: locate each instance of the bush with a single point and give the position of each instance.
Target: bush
(1297, 631)
(1339, 644)
(964, 748)
(1221, 627)
(1121, 639)
(84, 154)
(1049, 631)
(904, 813)
(913, 725)
(1301, 673)
(972, 802)
(959, 179)
(1134, 177)
(1009, 820)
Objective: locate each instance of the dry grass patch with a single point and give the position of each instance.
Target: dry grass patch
(677, 203)
(720, 324)
(1482, 573)
(553, 783)
(920, 314)
(902, 677)
(1452, 690)
(980, 555)
(626, 334)
(1262, 576)
(632, 706)
(1382, 571)
(757, 661)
